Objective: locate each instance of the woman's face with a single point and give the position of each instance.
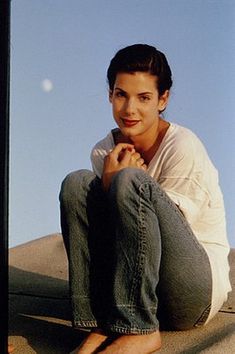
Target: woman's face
(136, 104)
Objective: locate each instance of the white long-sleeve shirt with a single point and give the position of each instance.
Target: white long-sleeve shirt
(183, 169)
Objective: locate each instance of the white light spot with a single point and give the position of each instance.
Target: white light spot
(46, 85)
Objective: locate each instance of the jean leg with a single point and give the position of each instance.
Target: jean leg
(137, 255)
(83, 215)
(159, 269)
(185, 279)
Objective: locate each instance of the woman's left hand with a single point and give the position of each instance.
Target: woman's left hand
(122, 156)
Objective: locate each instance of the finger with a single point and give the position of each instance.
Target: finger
(136, 159)
(121, 154)
(140, 162)
(126, 157)
(136, 156)
(144, 167)
(121, 146)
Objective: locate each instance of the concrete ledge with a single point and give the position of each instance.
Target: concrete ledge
(39, 267)
(40, 313)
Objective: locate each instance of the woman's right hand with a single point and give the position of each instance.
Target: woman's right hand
(123, 155)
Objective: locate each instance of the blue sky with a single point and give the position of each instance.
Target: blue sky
(54, 124)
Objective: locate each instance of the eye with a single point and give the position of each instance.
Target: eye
(144, 98)
(120, 94)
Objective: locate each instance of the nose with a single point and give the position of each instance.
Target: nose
(129, 107)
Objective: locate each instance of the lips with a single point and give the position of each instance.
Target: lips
(130, 122)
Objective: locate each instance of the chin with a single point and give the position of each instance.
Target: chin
(127, 133)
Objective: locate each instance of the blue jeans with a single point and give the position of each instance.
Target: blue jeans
(134, 262)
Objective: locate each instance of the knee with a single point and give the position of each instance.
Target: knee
(72, 184)
(126, 182)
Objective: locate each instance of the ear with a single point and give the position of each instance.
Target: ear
(163, 100)
(110, 96)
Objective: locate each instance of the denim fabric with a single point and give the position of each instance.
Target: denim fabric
(134, 262)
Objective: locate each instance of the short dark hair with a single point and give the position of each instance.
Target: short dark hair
(142, 58)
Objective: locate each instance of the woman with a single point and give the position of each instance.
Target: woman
(145, 231)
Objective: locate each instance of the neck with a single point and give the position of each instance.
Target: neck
(148, 146)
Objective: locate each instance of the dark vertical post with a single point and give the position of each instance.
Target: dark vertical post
(4, 166)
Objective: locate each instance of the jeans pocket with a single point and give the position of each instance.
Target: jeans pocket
(202, 319)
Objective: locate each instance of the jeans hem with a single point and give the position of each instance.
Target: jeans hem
(85, 324)
(114, 328)
(131, 330)
(203, 318)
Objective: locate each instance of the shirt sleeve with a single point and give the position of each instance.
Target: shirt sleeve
(98, 153)
(97, 162)
(183, 180)
(190, 206)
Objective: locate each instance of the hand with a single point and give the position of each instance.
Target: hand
(122, 156)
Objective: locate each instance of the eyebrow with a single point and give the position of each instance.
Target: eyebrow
(139, 94)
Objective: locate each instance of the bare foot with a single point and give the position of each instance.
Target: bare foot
(91, 343)
(10, 348)
(134, 343)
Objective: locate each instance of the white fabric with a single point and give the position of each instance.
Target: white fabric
(183, 169)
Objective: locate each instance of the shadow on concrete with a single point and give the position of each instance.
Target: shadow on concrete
(217, 336)
(36, 294)
(42, 336)
(31, 283)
